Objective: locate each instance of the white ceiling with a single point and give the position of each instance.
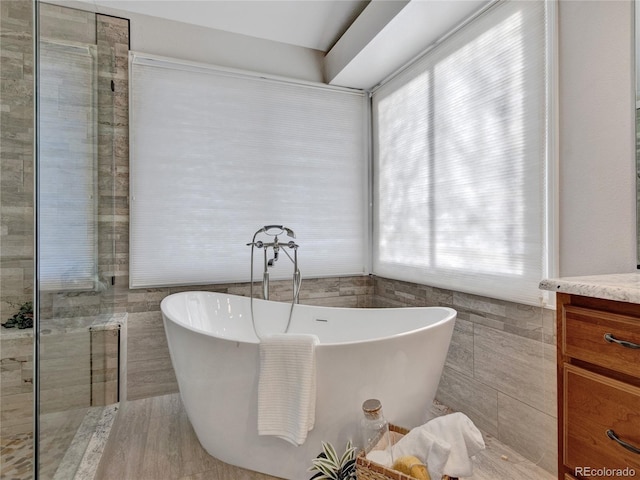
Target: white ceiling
(316, 24)
(407, 33)
(381, 35)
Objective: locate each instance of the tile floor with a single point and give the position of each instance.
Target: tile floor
(16, 452)
(69, 440)
(16, 456)
(153, 440)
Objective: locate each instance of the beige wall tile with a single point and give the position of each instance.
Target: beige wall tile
(60, 22)
(529, 431)
(14, 417)
(16, 155)
(513, 365)
(460, 356)
(464, 394)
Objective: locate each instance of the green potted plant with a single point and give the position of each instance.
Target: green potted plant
(330, 466)
(22, 319)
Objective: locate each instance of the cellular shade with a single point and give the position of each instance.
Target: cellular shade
(460, 156)
(216, 154)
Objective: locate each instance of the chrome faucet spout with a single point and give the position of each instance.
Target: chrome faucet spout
(276, 250)
(272, 261)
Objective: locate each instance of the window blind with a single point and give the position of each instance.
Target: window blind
(67, 167)
(460, 160)
(216, 155)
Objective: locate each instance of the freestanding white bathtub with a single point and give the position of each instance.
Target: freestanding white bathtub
(393, 354)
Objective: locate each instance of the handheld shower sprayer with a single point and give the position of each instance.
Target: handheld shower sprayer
(268, 229)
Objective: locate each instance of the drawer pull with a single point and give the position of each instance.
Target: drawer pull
(611, 339)
(612, 435)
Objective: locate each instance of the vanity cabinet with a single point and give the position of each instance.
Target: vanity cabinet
(598, 388)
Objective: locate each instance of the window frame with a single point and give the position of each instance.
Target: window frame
(549, 182)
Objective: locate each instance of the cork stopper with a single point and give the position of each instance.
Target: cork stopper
(372, 408)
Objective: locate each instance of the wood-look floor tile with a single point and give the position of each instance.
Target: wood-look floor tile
(194, 458)
(208, 475)
(162, 458)
(154, 440)
(498, 462)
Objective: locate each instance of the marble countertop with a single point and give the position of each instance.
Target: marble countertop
(623, 287)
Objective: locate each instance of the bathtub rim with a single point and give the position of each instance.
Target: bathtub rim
(451, 315)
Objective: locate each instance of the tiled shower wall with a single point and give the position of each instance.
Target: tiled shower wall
(16, 155)
(111, 35)
(16, 206)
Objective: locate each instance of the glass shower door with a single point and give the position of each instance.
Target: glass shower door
(78, 335)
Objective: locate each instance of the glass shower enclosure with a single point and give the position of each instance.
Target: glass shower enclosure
(59, 245)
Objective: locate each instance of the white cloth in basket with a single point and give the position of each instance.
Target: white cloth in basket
(445, 444)
(465, 439)
(287, 386)
(431, 450)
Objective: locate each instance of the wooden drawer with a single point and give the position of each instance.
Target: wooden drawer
(584, 338)
(593, 406)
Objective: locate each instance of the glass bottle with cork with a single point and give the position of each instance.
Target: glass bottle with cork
(376, 439)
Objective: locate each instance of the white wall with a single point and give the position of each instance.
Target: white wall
(169, 38)
(190, 42)
(597, 210)
(596, 138)
(597, 231)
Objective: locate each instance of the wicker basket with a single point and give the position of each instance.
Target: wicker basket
(368, 470)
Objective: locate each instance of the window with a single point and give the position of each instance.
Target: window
(67, 167)
(217, 154)
(460, 160)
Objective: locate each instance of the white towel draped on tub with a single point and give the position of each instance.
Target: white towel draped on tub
(287, 386)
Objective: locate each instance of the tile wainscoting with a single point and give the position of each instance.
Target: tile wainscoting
(149, 370)
(501, 366)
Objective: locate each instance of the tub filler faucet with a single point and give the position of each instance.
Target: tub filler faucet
(276, 246)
